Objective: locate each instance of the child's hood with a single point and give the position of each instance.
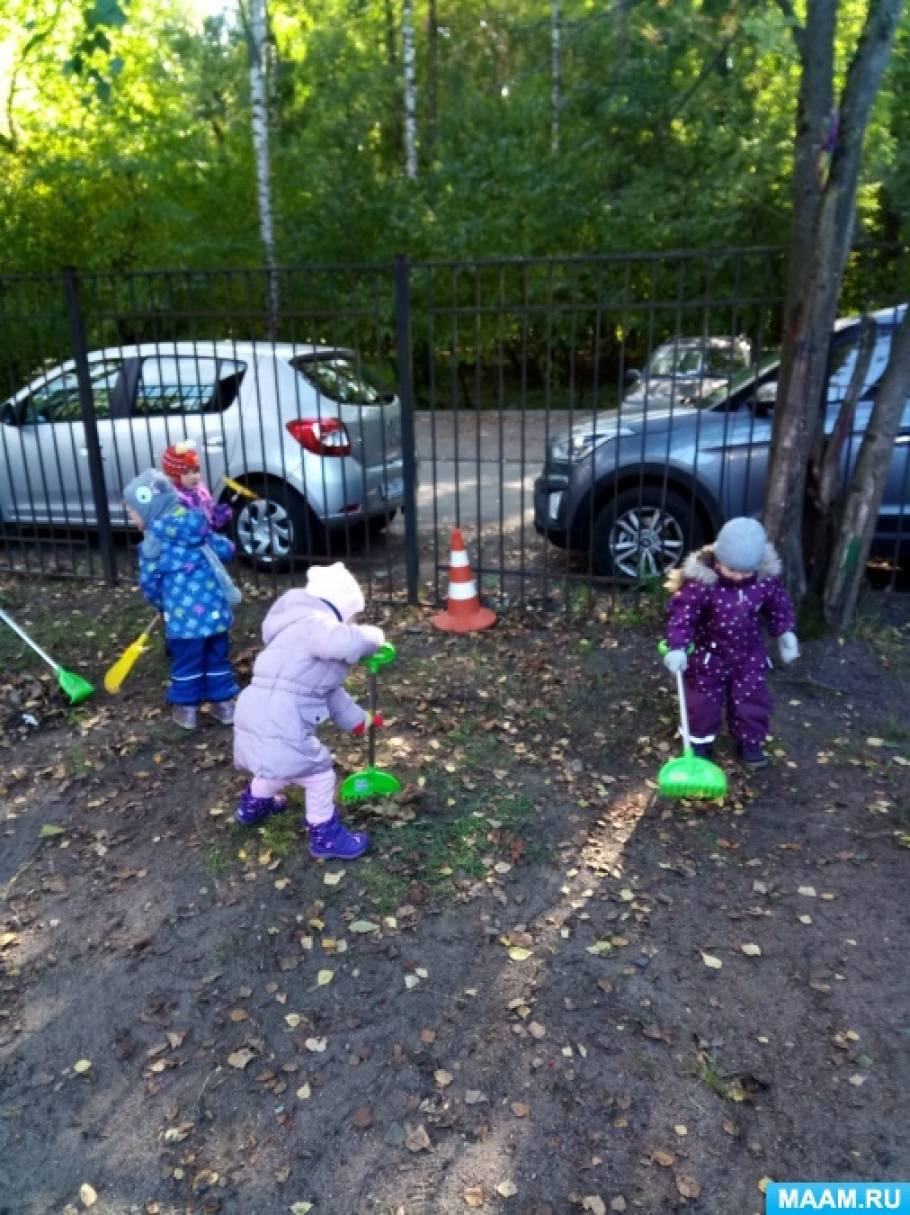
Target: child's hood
(188, 528)
(292, 608)
(700, 567)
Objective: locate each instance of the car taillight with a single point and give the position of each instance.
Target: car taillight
(321, 436)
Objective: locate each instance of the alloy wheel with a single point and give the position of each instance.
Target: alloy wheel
(265, 530)
(646, 542)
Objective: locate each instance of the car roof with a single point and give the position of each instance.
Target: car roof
(698, 342)
(218, 348)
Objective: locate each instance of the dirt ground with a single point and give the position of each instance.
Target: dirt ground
(544, 990)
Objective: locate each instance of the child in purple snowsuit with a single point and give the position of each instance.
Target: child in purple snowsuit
(723, 596)
(311, 644)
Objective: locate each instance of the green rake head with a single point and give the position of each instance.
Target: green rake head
(371, 782)
(74, 686)
(692, 776)
(383, 656)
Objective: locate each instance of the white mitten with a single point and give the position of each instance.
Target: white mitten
(789, 647)
(675, 661)
(373, 634)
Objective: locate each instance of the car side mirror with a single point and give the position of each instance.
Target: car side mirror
(633, 375)
(8, 415)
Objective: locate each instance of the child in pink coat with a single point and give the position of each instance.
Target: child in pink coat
(311, 643)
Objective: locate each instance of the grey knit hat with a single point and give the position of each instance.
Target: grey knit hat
(151, 495)
(740, 545)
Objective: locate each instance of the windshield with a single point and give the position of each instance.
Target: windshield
(340, 378)
(675, 360)
(717, 357)
(749, 375)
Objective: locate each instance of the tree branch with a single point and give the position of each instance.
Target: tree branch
(786, 7)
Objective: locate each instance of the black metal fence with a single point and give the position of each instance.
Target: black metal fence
(373, 408)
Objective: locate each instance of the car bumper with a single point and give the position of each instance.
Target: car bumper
(550, 493)
(341, 491)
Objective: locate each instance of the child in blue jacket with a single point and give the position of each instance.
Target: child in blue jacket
(181, 574)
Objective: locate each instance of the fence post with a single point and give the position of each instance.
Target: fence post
(408, 444)
(87, 408)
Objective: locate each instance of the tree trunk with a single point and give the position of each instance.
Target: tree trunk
(830, 479)
(820, 240)
(260, 126)
(432, 73)
(555, 75)
(860, 514)
(410, 89)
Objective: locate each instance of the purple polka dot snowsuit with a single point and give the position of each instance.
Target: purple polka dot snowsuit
(724, 621)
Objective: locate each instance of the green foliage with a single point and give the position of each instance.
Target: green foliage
(676, 125)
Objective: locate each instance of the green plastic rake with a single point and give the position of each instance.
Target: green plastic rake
(689, 775)
(371, 781)
(73, 685)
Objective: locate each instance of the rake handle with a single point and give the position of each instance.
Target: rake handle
(371, 733)
(683, 711)
(55, 666)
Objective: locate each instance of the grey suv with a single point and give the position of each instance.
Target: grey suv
(638, 492)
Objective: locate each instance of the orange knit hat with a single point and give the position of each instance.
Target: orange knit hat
(180, 458)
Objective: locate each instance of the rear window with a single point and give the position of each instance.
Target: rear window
(187, 384)
(341, 379)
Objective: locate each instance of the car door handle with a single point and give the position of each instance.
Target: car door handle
(83, 451)
(902, 439)
(214, 444)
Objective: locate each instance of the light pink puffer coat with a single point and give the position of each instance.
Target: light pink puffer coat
(296, 686)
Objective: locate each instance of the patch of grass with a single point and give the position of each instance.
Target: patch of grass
(888, 642)
(643, 607)
(217, 861)
(811, 624)
(434, 852)
(706, 1070)
(280, 834)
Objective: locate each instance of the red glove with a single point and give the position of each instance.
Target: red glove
(360, 730)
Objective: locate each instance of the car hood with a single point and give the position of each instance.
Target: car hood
(681, 392)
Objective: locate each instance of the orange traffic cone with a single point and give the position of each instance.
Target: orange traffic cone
(463, 613)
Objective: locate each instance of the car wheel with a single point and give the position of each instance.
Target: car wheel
(275, 529)
(378, 523)
(644, 534)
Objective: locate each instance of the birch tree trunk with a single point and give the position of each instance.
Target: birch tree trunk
(867, 484)
(555, 75)
(432, 73)
(821, 234)
(258, 29)
(410, 89)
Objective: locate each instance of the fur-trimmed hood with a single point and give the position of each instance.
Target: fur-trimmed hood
(699, 567)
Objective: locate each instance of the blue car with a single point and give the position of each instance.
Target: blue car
(638, 492)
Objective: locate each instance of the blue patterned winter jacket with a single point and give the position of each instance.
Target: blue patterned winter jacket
(180, 581)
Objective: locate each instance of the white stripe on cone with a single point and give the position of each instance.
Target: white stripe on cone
(458, 557)
(463, 590)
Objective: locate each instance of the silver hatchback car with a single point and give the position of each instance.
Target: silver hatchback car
(306, 429)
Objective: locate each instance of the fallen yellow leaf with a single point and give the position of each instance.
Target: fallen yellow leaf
(751, 950)
(324, 977)
(711, 962)
(81, 1066)
(518, 953)
(87, 1194)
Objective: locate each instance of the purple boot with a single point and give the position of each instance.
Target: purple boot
(333, 841)
(252, 810)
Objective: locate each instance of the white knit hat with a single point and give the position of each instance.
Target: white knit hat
(338, 586)
(740, 544)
